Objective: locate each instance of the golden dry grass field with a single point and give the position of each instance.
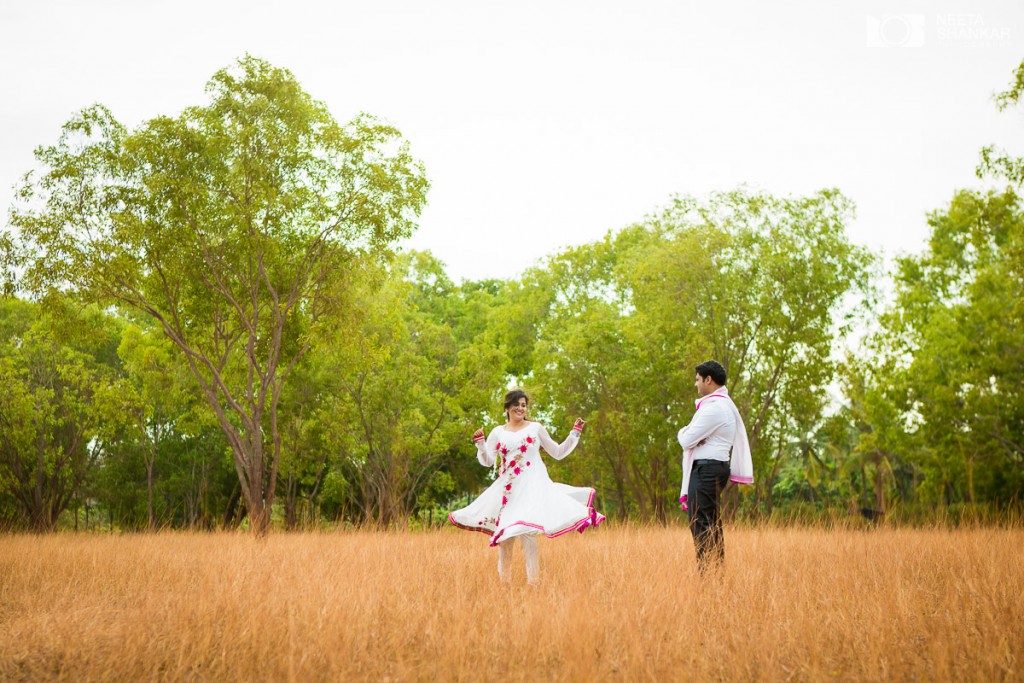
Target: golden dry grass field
(617, 603)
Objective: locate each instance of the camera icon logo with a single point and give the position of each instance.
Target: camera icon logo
(895, 30)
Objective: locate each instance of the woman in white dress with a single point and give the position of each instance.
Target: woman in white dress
(523, 502)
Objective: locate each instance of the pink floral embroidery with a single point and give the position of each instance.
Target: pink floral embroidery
(527, 463)
(512, 468)
(509, 463)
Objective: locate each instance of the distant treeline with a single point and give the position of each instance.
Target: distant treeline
(207, 324)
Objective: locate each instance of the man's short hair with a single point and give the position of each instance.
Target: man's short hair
(714, 370)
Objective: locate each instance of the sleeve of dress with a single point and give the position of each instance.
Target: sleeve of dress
(555, 450)
(487, 449)
(709, 418)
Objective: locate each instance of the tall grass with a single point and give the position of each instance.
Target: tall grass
(617, 603)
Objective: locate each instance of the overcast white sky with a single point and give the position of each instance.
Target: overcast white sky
(544, 124)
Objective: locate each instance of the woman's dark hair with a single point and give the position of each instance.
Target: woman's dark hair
(714, 370)
(512, 398)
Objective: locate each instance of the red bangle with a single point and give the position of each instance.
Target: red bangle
(478, 439)
(577, 429)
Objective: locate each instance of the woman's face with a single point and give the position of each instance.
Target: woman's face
(517, 411)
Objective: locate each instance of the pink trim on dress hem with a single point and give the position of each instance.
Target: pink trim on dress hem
(468, 528)
(592, 519)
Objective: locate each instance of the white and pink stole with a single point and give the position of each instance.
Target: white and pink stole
(741, 464)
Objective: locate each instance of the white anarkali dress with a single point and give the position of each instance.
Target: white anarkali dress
(523, 499)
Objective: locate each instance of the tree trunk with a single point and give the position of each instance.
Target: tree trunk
(970, 479)
(862, 500)
(42, 521)
(151, 523)
(730, 502)
(618, 477)
(231, 509)
(659, 479)
(879, 487)
(259, 519)
(291, 493)
(249, 461)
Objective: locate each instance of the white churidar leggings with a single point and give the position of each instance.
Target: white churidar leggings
(530, 552)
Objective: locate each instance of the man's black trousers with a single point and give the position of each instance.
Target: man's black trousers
(707, 480)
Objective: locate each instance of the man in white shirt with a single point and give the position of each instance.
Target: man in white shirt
(716, 454)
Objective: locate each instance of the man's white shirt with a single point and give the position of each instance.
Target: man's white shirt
(714, 424)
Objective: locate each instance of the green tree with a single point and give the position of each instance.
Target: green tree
(875, 410)
(409, 394)
(62, 404)
(307, 457)
(234, 226)
(157, 376)
(763, 284)
(936, 398)
(955, 339)
(996, 162)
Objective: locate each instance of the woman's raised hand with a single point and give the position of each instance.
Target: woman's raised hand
(578, 425)
(478, 435)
